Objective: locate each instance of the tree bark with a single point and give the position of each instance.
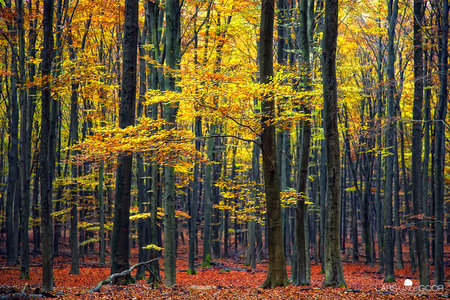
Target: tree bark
(120, 252)
(388, 216)
(45, 172)
(13, 183)
(334, 274)
(25, 148)
(277, 275)
(416, 147)
(170, 111)
(441, 111)
(378, 203)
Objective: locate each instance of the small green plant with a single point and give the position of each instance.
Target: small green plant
(207, 263)
(191, 272)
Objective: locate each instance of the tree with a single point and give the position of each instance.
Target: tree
(25, 148)
(45, 172)
(441, 111)
(120, 252)
(277, 275)
(416, 147)
(302, 184)
(334, 274)
(170, 112)
(13, 186)
(388, 231)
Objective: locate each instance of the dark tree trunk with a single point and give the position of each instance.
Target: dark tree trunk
(120, 252)
(388, 215)
(140, 173)
(153, 17)
(277, 275)
(334, 274)
(304, 151)
(170, 111)
(32, 36)
(13, 183)
(45, 167)
(441, 111)
(378, 204)
(416, 147)
(25, 148)
(412, 255)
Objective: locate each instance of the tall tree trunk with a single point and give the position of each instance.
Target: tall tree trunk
(74, 245)
(277, 275)
(140, 174)
(441, 111)
(25, 148)
(13, 183)
(120, 252)
(153, 14)
(101, 208)
(388, 216)
(45, 167)
(194, 199)
(32, 36)
(412, 255)
(304, 151)
(427, 144)
(170, 111)
(378, 204)
(416, 147)
(208, 199)
(398, 240)
(322, 200)
(334, 274)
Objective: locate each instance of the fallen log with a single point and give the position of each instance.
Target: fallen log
(121, 274)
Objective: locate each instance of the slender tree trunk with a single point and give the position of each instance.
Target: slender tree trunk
(412, 255)
(208, 200)
(74, 242)
(398, 240)
(153, 16)
(32, 36)
(334, 274)
(194, 200)
(46, 180)
(170, 111)
(426, 145)
(277, 275)
(378, 204)
(25, 148)
(304, 151)
(441, 112)
(416, 147)
(388, 232)
(13, 183)
(322, 200)
(140, 174)
(120, 252)
(101, 208)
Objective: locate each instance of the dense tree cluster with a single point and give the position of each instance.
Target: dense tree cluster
(293, 130)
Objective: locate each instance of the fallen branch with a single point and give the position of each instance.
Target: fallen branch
(122, 274)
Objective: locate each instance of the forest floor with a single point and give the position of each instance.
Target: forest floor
(225, 279)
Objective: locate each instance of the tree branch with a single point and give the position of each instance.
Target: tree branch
(122, 274)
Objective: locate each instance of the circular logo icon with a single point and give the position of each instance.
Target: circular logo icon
(408, 282)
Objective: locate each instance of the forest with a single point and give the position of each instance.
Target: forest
(224, 148)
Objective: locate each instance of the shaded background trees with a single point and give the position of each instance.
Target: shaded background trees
(200, 106)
